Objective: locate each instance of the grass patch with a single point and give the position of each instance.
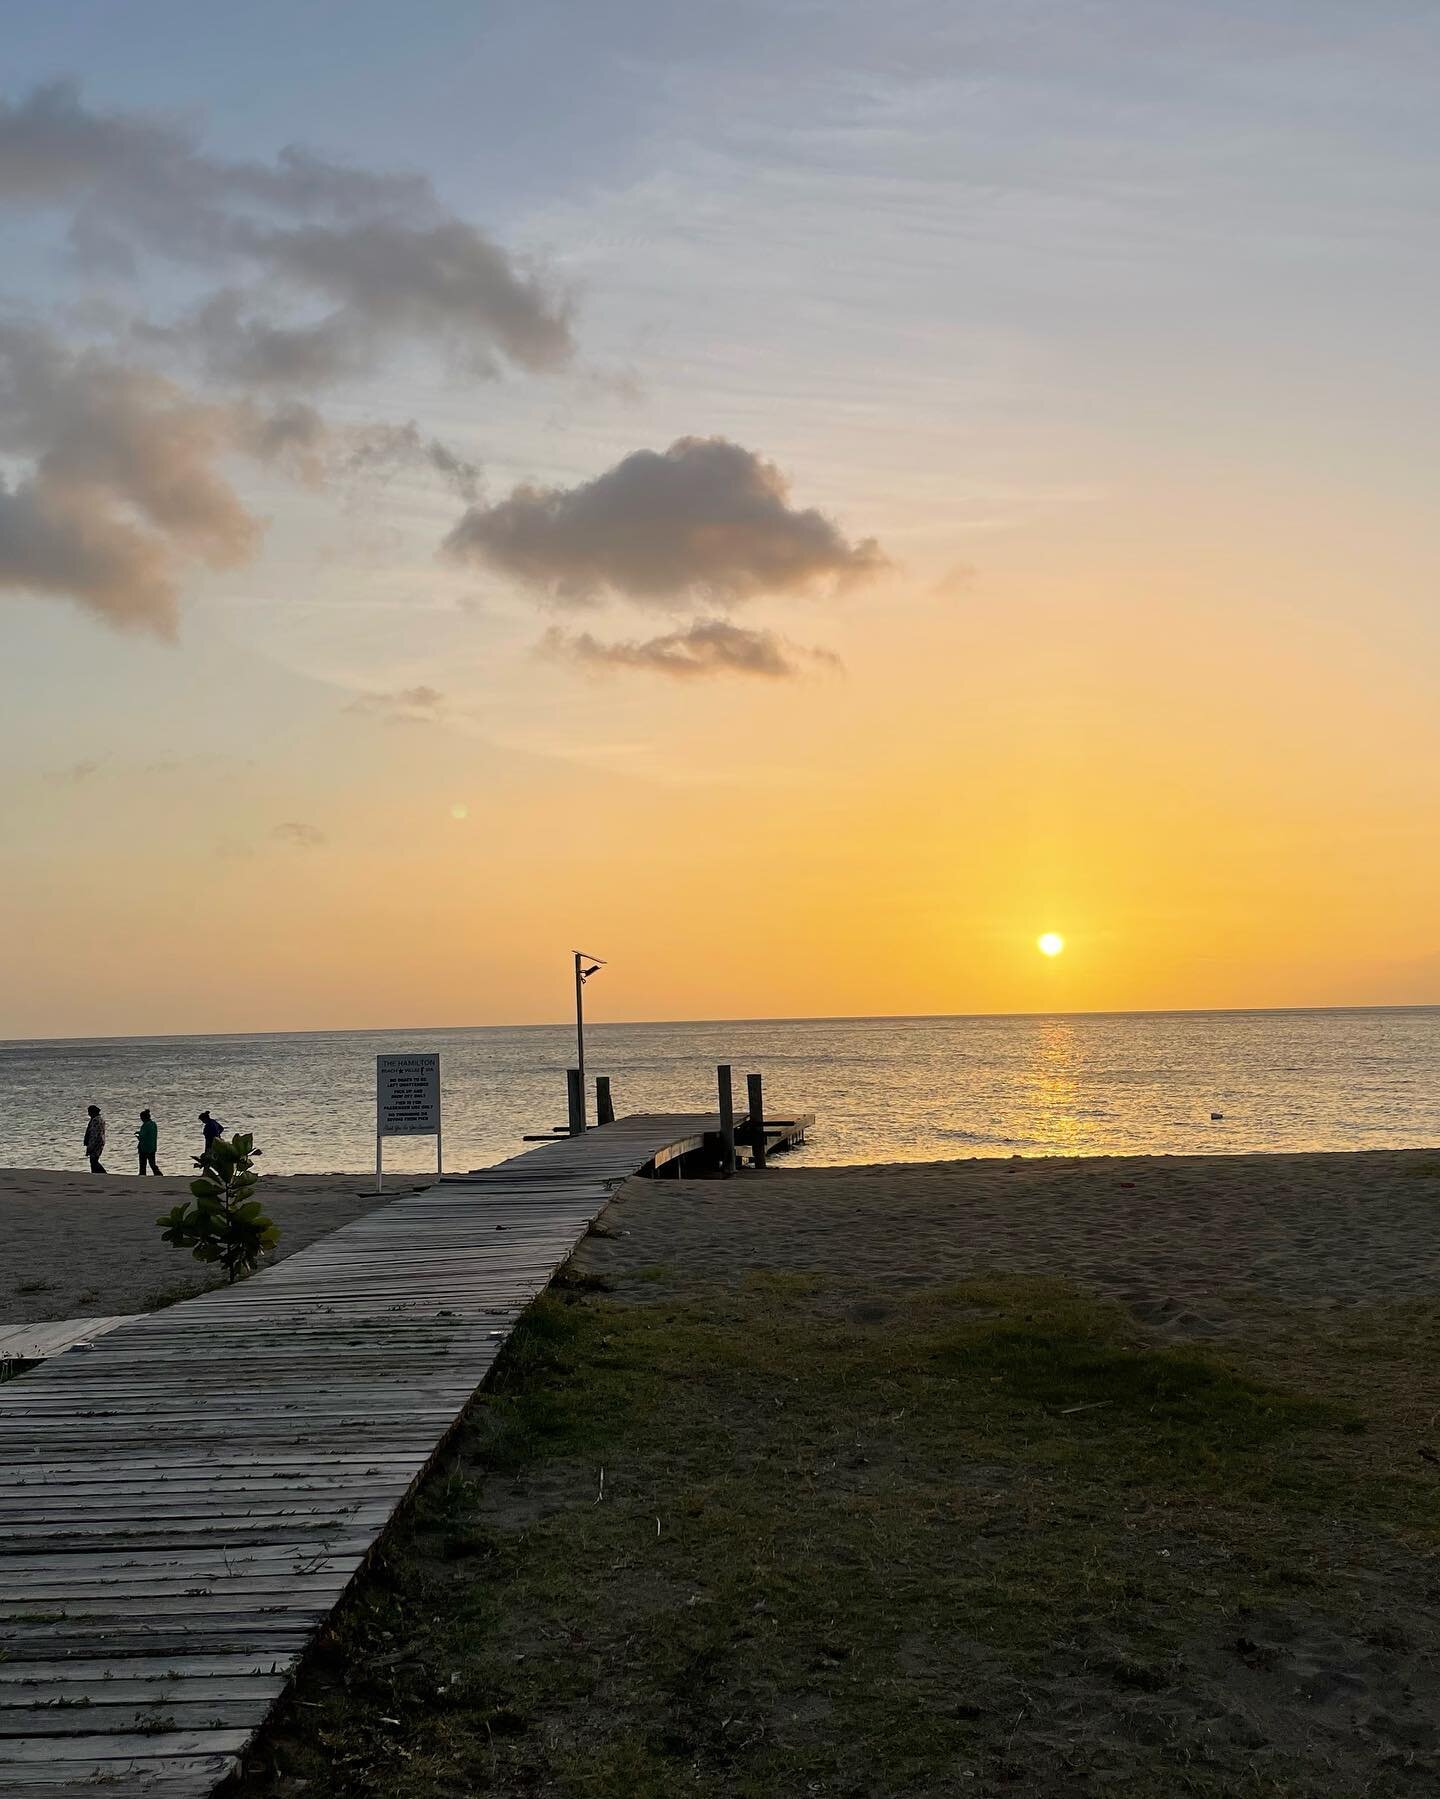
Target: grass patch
(34, 1286)
(995, 1540)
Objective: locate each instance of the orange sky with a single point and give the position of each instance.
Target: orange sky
(1124, 361)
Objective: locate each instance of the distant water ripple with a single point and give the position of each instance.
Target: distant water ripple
(885, 1089)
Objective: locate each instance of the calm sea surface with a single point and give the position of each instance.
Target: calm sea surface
(884, 1089)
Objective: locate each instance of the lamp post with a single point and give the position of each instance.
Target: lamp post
(582, 974)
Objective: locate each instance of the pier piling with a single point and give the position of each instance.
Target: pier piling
(727, 1120)
(755, 1090)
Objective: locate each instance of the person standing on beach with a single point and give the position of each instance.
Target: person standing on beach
(94, 1140)
(148, 1139)
(213, 1129)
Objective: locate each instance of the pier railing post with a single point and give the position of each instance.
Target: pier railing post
(756, 1093)
(727, 1119)
(604, 1106)
(576, 1095)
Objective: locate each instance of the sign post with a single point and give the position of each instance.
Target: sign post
(407, 1104)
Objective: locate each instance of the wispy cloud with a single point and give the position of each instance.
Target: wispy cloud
(302, 836)
(73, 774)
(404, 706)
(955, 583)
(706, 520)
(706, 648)
(381, 447)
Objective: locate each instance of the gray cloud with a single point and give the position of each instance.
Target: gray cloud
(706, 520)
(124, 486)
(707, 647)
(406, 705)
(302, 836)
(238, 343)
(378, 252)
(378, 447)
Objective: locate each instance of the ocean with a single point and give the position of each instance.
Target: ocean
(883, 1089)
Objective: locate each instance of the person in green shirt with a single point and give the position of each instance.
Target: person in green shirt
(148, 1138)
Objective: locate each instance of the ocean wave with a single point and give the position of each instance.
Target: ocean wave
(958, 1136)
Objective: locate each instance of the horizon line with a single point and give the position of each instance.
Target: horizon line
(812, 1018)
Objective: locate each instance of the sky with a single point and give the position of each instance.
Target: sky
(796, 499)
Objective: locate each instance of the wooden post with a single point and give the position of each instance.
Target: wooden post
(604, 1106)
(727, 1120)
(757, 1117)
(576, 1095)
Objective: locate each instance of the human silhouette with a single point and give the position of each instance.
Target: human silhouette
(147, 1139)
(213, 1129)
(94, 1140)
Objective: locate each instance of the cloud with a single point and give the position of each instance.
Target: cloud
(378, 447)
(955, 583)
(406, 705)
(706, 520)
(303, 836)
(73, 774)
(707, 647)
(354, 259)
(123, 486)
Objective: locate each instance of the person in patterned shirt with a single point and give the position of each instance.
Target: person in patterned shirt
(94, 1141)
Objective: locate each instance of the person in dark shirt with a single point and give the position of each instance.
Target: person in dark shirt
(148, 1140)
(213, 1129)
(94, 1140)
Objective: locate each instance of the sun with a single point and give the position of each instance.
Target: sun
(1050, 943)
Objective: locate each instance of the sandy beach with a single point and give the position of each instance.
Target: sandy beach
(83, 1245)
(1178, 1239)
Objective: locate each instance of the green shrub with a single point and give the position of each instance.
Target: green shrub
(226, 1224)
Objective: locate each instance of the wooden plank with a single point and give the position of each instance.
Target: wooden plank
(189, 1691)
(161, 1777)
(124, 1747)
(158, 1713)
(36, 1342)
(225, 1666)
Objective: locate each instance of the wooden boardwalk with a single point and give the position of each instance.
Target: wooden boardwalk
(34, 1342)
(183, 1503)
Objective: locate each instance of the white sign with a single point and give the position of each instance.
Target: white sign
(407, 1102)
(407, 1095)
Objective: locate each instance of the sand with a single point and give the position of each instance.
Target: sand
(87, 1246)
(1178, 1239)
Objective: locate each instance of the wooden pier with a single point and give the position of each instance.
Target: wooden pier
(37, 1342)
(184, 1501)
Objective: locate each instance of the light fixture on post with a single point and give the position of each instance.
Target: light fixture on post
(583, 974)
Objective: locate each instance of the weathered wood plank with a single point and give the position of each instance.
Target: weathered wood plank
(124, 1747)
